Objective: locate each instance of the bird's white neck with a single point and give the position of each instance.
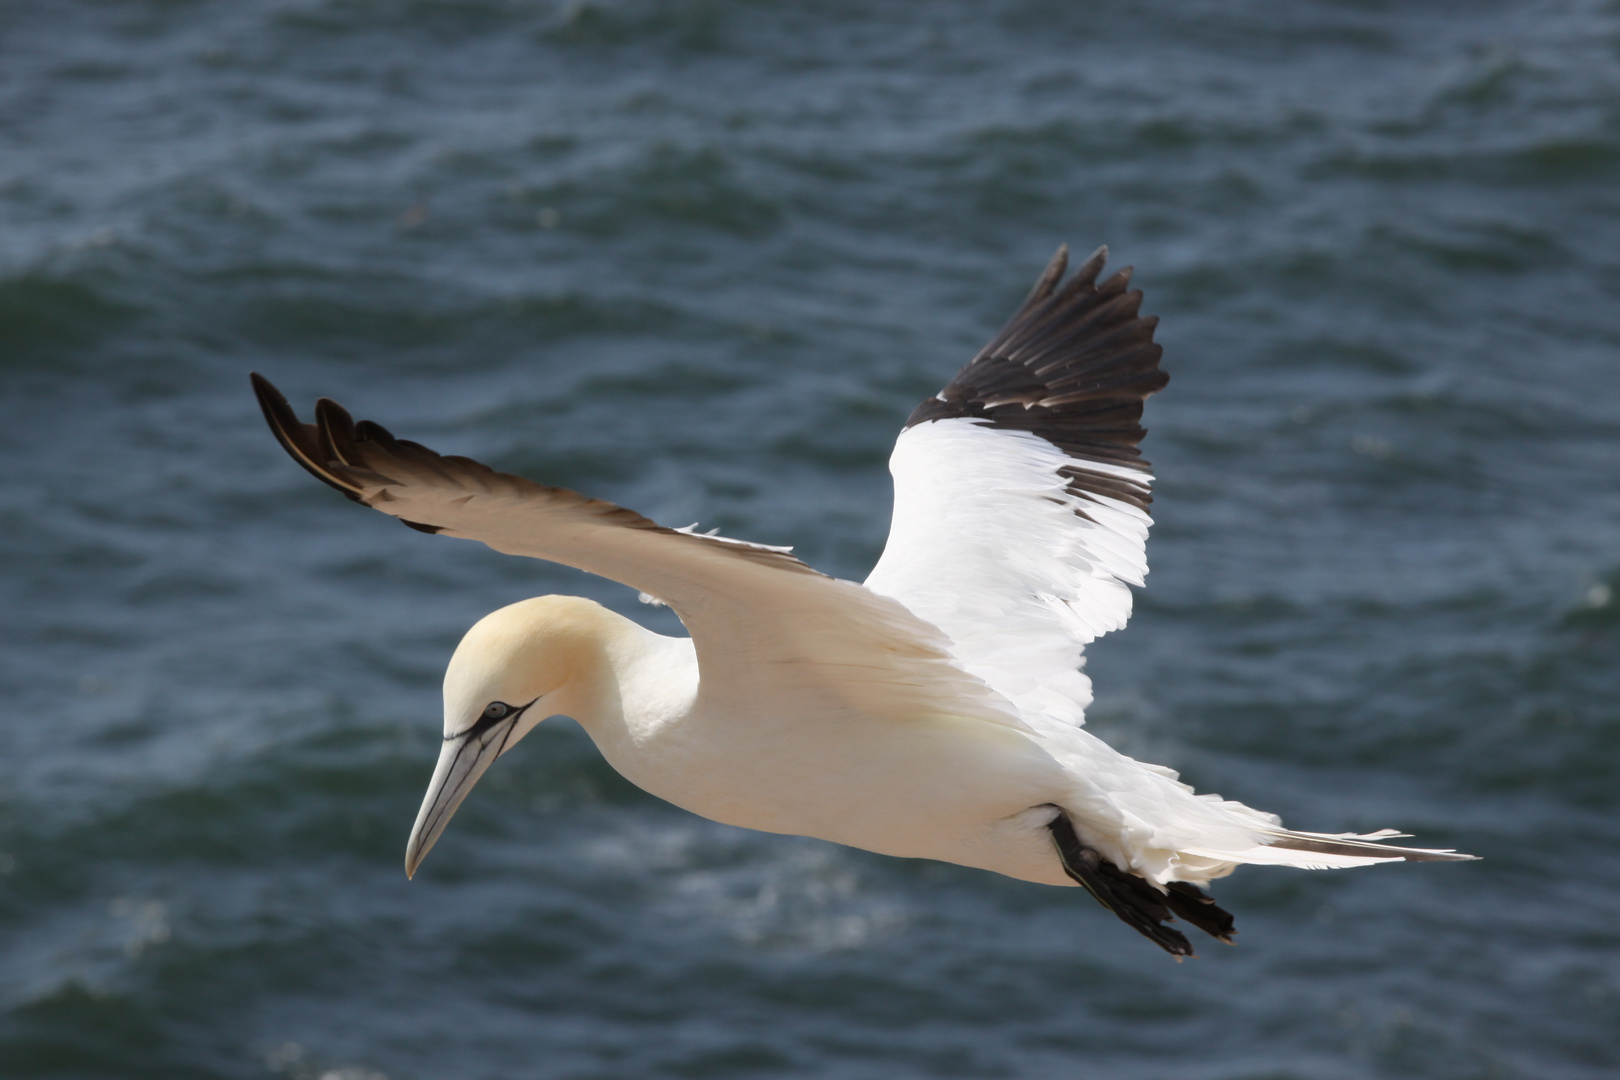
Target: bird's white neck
(631, 687)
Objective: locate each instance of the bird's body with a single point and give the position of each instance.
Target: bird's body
(935, 711)
(789, 757)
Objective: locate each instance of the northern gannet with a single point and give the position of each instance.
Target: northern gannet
(934, 711)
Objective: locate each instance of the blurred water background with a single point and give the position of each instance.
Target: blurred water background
(702, 257)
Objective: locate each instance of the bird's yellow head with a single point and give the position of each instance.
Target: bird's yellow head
(515, 667)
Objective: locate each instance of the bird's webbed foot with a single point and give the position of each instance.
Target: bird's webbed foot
(1135, 900)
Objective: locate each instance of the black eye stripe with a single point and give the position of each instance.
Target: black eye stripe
(486, 721)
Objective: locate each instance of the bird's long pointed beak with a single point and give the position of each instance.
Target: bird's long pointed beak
(461, 762)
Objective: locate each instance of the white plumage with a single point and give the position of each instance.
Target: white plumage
(935, 712)
(985, 544)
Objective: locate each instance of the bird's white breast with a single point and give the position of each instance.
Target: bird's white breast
(940, 787)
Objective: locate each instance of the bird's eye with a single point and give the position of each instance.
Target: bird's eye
(496, 710)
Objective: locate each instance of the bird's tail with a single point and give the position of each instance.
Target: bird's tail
(1148, 904)
(1328, 851)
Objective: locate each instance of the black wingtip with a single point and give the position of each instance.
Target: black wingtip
(1073, 365)
(1117, 282)
(371, 431)
(1055, 266)
(1087, 271)
(335, 428)
(273, 403)
(331, 439)
(301, 441)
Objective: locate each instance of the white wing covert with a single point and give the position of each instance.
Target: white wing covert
(1020, 503)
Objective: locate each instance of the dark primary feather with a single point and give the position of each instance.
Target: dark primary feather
(311, 444)
(301, 441)
(1073, 365)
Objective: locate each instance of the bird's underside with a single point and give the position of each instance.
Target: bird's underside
(1020, 518)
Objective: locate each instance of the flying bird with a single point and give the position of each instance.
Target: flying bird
(934, 711)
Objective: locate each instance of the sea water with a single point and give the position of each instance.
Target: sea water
(702, 258)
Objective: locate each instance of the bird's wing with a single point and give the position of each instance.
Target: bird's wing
(799, 631)
(1020, 502)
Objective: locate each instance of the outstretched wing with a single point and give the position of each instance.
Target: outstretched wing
(770, 623)
(1020, 499)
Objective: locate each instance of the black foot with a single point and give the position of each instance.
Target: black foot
(1198, 907)
(1135, 900)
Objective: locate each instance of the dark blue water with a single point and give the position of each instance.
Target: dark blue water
(702, 258)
